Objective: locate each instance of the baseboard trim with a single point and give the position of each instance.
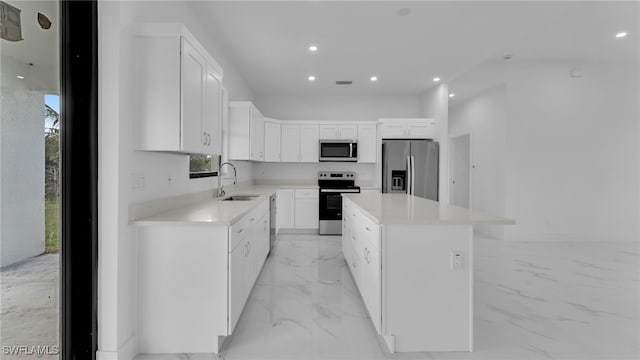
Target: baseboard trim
(127, 351)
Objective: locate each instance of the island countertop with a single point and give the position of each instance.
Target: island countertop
(409, 209)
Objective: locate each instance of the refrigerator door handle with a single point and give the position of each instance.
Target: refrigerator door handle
(413, 175)
(409, 182)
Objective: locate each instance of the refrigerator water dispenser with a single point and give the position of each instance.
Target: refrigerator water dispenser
(398, 180)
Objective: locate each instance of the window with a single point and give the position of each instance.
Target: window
(202, 166)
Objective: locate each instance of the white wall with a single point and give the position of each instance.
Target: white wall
(22, 174)
(484, 117)
(435, 105)
(572, 157)
(118, 162)
(308, 173)
(343, 107)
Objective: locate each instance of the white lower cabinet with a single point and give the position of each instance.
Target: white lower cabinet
(249, 246)
(361, 247)
(297, 209)
(285, 209)
(236, 285)
(306, 209)
(197, 277)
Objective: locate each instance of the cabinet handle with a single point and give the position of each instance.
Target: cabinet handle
(239, 231)
(249, 248)
(208, 139)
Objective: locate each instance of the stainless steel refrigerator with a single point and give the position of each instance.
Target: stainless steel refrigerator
(411, 167)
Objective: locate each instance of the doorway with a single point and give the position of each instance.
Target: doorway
(460, 170)
(48, 179)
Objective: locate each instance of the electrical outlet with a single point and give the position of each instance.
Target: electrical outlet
(137, 181)
(457, 260)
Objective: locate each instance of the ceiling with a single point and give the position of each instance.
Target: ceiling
(268, 40)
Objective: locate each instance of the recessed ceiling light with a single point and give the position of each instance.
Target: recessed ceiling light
(621, 34)
(20, 77)
(436, 79)
(403, 12)
(374, 78)
(452, 95)
(313, 48)
(312, 78)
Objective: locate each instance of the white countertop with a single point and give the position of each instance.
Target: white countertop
(405, 209)
(213, 211)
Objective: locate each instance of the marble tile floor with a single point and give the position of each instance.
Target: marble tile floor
(538, 300)
(29, 303)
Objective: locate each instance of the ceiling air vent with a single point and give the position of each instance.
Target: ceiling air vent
(344, 82)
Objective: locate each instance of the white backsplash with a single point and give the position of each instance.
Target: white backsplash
(304, 172)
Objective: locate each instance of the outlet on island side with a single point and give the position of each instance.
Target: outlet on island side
(457, 260)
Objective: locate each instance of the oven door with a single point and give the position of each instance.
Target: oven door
(330, 203)
(338, 151)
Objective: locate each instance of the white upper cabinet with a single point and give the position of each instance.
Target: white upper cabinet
(309, 143)
(367, 144)
(338, 132)
(179, 108)
(212, 126)
(272, 140)
(246, 132)
(300, 143)
(407, 128)
(290, 143)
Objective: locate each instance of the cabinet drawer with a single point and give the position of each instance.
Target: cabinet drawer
(307, 193)
(366, 228)
(238, 231)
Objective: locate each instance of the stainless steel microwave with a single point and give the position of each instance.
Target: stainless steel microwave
(338, 150)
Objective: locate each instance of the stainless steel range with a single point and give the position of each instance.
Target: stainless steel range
(332, 185)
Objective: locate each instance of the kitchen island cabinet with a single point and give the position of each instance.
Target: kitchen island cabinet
(412, 261)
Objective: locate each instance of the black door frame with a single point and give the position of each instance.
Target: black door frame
(79, 171)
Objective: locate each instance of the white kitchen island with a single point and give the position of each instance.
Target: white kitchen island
(412, 260)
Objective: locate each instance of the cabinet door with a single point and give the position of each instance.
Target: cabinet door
(346, 236)
(193, 102)
(348, 132)
(212, 125)
(329, 132)
(262, 247)
(248, 269)
(271, 141)
(290, 143)
(396, 129)
(257, 136)
(367, 144)
(306, 213)
(236, 284)
(309, 143)
(356, 256)
(421, 128)
(285, 209)
(373, 286)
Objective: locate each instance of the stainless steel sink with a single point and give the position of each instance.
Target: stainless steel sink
(240, 198)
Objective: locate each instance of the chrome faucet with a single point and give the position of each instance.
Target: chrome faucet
(220, 192)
